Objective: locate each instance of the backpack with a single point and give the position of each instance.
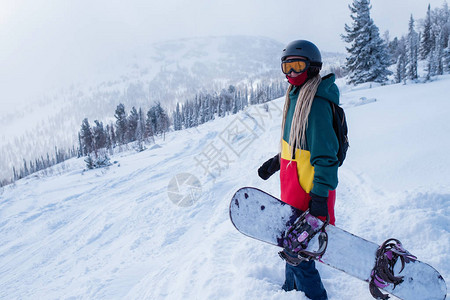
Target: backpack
(341, 130)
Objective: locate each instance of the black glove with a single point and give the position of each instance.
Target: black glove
(269, 167)
(318, 205)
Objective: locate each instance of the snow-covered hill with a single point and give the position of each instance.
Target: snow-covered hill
(167, 72)
(126, 232)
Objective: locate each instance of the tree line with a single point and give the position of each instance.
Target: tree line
(429, 44)
(206, 106)
(39, 164)
(96, 141)
(370, 56)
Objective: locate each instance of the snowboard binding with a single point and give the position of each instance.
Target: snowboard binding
(382, 274)
(297, 238)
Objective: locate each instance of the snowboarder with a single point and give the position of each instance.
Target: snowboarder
(308, 160)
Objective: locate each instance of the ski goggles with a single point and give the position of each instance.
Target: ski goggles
(297, 65)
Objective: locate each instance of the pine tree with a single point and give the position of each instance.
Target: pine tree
(150, 123)
(201, 111)
(152, 120)
(206, 108)
(32, 168)
(368, 58)
(195, 112)
(185, 115)
(163, 119)
(446, 58)
(149, 133)
(48, 162)
(396, 48)
(140, 132)
(58, 155)
(25, 171)
(438, 54)
(112, 134)
(400, 73)
(412, 49)
(80, 146)
(132, 123)
(121, 124)
(235, 107)
(426, 43)
(37, 165)
(245, 98)
(87, 138)
(89, 162)
(177, 118)
(108, 137)
(99, 136)
(445, 12)
(15, 174)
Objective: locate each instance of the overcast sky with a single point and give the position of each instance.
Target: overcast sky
(48, 43)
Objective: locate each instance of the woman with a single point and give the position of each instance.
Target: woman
(308, 160)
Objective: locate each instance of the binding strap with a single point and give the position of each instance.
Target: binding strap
(382, 274)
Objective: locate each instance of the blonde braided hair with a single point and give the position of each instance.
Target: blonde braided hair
(297, 136)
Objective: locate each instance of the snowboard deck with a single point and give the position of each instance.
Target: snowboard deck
(262, 216)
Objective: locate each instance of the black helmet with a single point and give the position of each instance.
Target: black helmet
(303, 48)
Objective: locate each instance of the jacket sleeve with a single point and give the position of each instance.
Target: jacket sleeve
(323, 146)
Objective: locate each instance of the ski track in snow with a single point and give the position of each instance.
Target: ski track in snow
(114, 234)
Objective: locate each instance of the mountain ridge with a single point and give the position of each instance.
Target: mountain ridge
(169, 72)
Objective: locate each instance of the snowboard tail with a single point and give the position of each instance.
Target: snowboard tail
(261, 216)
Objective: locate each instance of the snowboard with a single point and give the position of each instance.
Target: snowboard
(261, 216)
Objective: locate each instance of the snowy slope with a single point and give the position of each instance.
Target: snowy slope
(115, 233)
(169, 72)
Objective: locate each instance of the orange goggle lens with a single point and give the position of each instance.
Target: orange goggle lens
(297, 66)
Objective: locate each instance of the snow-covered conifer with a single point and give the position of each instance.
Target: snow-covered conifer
(149, 131)
(108, 137)
(132, 122)
(177, 118)
(400, 72)
(163, 119)
(99, 136)
(446, 58)
(89, 162)
(121, 124)
(195, 112)
(368, 58)
(112, 134)
(25, 171)
(140, 128)
(438, 54)
(412, 49)
(15, 174)
(426, 42)
(80, 146)
(201, 111)
(87, 138)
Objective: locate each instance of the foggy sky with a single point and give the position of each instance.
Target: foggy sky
(50, 43)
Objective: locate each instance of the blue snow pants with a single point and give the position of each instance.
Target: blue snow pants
(305, 278)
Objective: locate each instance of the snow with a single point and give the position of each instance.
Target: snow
(168, 72)
(114, 233)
